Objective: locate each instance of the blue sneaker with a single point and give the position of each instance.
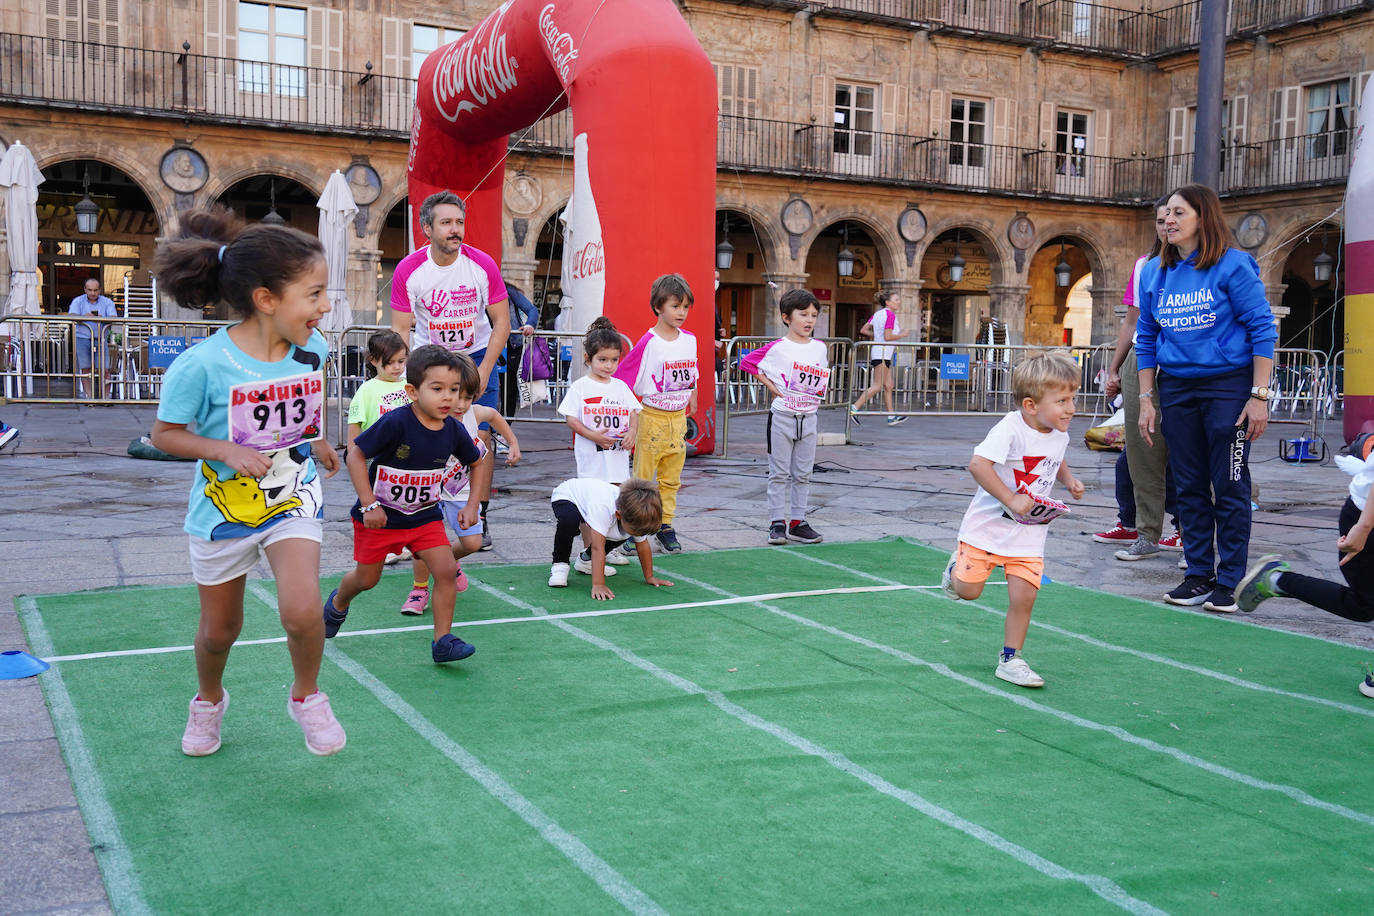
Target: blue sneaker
(333, 618)
(450, 648)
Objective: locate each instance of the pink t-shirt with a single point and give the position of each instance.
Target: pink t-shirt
(884, 320)
(449, 303)
(662, 373)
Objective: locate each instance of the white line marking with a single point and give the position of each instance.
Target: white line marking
(116, 861)
(268, 599)
(1100, 885)
(1254, 782)
(260, 592)
(592, 865)
(1127, 650)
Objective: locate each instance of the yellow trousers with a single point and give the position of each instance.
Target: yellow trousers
(660, 452)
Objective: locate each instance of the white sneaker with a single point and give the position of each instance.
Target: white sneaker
(201, 737)
(1016, 671)
(558, 575)
(584, 566)
(393, 558)
(947, 577)
(618, 557)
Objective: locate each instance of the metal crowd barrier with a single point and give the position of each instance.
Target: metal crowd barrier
(39, 360)
(744, 394)
(955, 379)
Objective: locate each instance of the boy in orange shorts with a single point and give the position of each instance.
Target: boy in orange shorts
(1016, 466)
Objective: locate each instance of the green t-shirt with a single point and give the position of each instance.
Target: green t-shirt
(374, 398)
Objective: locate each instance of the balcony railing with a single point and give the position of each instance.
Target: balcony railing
(94, 77)
(1120, 30)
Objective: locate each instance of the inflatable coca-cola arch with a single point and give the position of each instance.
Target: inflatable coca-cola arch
(643, 100)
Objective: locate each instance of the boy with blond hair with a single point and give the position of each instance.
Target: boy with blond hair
(662, 372)
(1016, 466)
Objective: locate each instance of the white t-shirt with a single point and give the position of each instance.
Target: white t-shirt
(449, 303)
(1027, 461)
(662, 373)
(595, 500)
(801, 371)
(606, 406)
(884, 323)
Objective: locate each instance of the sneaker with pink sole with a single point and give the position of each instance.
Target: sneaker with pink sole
(460, 582)
(415, 602)
(201, 738)
(323, 733)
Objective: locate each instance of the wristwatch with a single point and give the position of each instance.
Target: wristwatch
(1260, 393)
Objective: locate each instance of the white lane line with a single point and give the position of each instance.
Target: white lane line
(1126, 650)
(1254, 782)
(1102, 886)
(115, 858)
(270, 600)
(577, 852)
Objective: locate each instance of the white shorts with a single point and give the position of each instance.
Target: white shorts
(217, 562)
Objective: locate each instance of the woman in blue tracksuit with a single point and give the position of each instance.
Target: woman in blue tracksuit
(1206, 337)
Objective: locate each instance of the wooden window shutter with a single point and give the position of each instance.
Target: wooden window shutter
(395, 47)
(1102, 133)
(1047, 125)
(823, 100)
(1287, 101)
(1238, 128)
(939, 113)
(1177, 132)
(1004, 122)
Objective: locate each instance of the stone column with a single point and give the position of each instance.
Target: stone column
(1106, 318)
(1008, 305)
(772, 319)
(361, 283)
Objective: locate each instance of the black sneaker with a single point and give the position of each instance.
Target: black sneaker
(1222, 600)
(667, 539)
(801, 531)
(486, 536)
(777, 533)
(450, 648)
(1194, 591)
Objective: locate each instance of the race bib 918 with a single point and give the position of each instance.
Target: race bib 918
(279, 414)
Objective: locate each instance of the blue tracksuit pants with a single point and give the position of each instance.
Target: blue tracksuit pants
(1209, 456)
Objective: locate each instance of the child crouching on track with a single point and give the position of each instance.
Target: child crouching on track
(606, 516)
(401, 466)
(1016, 466)
(796, 370)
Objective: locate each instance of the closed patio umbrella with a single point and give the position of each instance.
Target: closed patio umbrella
(20, 177)
(337, 209)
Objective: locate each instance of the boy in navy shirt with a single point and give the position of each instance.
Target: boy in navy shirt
(401, 466)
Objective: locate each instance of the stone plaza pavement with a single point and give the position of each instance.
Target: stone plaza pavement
(79, 513)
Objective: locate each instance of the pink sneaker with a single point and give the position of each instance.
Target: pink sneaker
(1117, 534)
(415, 602)
(201, 737)
(323, 733)
(460, 584)
(1172, 542)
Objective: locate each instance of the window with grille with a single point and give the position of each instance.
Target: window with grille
(272, 47)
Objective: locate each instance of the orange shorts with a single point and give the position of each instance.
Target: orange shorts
(973, 564)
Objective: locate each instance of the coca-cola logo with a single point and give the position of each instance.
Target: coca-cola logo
(560, 44)
(476, 69)
(588, 260)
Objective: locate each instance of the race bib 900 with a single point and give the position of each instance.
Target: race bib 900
(279, 414)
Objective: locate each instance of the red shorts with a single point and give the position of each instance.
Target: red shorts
(371, 545)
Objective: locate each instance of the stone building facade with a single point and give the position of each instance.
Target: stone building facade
(1017, 136)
